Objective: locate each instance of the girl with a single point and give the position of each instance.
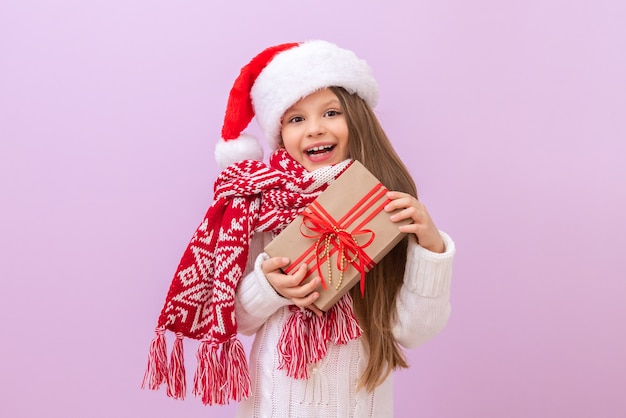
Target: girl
(314, 101)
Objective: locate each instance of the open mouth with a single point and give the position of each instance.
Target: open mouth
(320, 150)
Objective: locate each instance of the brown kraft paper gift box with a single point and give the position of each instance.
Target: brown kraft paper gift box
(347, 218)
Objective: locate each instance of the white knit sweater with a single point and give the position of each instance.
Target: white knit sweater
(423, 310)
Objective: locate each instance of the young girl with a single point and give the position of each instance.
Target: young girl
(314, 101)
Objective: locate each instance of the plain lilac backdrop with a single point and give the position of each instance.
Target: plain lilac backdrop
(510, 115)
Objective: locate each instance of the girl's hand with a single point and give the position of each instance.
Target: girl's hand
(288, 285)
(423, 227)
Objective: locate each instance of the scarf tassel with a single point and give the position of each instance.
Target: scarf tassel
(318, 338)
(221, 374)
(176, 382)
(209, 380)
(233, 359)
(156, 371)
(342, 322)
(302, 342)
(292, 346)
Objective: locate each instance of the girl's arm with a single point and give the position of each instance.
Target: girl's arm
(256, 300)
(423, 303)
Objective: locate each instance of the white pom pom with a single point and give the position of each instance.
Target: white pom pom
(243, 148)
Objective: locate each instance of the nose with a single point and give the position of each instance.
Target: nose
(315, 127)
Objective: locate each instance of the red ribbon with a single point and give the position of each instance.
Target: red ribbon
(329, 233)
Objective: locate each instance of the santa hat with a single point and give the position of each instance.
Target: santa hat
(276, 79)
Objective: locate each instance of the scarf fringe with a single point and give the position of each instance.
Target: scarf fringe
(343, 324)
(233, 357)
(292, 345)
(303, 341)
(317, 346)
(176, 381)
(223, 374)
(305, 336)
(209, 380)
(156, 371)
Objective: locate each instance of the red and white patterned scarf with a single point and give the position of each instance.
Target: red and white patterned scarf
(249, 197)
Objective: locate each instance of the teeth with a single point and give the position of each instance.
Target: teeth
(322, 148)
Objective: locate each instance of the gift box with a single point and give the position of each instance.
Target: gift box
(341, 235)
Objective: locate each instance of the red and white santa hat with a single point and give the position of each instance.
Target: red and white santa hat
(276, 79)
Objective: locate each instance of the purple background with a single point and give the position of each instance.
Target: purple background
(510, 116)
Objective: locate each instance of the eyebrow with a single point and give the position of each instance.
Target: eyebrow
(326, 104)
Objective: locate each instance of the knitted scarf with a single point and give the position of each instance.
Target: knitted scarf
(249, 197)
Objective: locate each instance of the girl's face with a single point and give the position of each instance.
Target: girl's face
(314, 130)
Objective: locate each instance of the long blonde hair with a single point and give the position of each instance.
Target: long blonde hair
(376, 312)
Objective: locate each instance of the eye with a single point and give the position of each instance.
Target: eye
(332, 112)
(295, 119)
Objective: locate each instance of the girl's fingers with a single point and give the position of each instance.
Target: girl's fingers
(307, 301)
(273, 264)
(408, 213)
(400, 201)
(408, 207)
(305, 290)
(289, 285)
(293, 281)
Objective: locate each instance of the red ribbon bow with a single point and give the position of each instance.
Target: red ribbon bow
(333, 237)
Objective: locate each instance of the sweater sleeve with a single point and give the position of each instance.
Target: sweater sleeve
(423, 303)
(256, 300)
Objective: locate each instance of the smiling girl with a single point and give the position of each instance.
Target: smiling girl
(314, 101)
